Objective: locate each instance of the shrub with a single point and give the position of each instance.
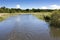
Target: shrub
(47, 18)
(55, 19)
(1, 18)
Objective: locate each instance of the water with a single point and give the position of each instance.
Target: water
(27, 27)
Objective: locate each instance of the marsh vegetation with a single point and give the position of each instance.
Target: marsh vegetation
(49, 15)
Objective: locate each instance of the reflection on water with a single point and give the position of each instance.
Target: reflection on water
(55, 33)
(27, 27)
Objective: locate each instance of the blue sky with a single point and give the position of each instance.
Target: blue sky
(24, 4)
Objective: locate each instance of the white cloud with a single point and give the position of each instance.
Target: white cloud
(44, 7)
(51, 7)
(55, 6)
(17, 6)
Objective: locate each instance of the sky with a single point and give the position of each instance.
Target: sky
(24, 4)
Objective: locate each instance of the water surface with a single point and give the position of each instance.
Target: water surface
(27, 27)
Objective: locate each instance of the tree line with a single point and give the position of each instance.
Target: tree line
(18, 10)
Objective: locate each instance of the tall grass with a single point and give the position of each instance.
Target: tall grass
(55, 19)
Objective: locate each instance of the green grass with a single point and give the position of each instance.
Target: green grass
(55, 19)
(42, 14)
(39, 15)
(54, 16)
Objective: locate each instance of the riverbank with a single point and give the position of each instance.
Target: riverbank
(4, 16)
(39, 15)
(52, 17)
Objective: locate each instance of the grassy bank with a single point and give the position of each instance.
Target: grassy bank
(4, 16)
(39, 15)
(52, 17)
(55, 19)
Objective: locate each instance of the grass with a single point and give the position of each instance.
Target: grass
(39, 15)
(4, 16)
(55, 17)
(42, 15)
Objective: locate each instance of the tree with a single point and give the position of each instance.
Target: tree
(27, 10)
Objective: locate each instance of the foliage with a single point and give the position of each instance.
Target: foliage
(1, 18)
(55, 18)
(14, 10)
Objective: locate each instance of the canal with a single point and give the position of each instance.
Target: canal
(27, 27)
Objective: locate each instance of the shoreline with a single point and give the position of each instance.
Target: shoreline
(39, 15)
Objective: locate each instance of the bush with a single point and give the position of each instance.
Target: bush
(1, 18)
(55, 19)
(47, 18)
